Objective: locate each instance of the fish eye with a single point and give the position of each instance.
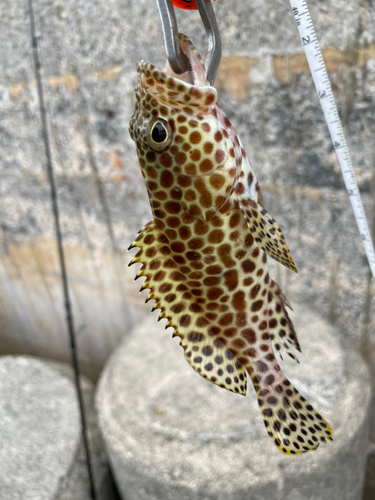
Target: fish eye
(160, 134)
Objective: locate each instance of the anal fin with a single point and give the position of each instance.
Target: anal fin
(281, 327)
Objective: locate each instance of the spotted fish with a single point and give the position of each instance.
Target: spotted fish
(204, 254)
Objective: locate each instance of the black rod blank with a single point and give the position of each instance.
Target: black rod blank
(55, 209)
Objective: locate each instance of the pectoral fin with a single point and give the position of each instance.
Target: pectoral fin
(266, 232)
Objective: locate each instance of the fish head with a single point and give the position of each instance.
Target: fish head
(182, 136)
(173, 99)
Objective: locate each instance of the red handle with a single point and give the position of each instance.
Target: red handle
(185, 4)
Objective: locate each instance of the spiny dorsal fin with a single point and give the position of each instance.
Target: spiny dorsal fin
(170, 287)
(266, 232)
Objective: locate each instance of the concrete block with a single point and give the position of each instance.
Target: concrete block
(41, 451)
(171, 434)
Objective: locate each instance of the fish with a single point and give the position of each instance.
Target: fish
(204, 253)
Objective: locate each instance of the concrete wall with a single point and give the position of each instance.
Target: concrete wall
(88, 52)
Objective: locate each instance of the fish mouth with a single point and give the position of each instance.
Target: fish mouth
(196, 77)
(189, 92)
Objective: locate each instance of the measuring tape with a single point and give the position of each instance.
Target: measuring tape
(331, 115)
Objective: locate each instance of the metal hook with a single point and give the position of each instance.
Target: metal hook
(207, 14)
(177, 59)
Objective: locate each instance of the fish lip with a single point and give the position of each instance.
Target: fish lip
(196, 77)
(198, 98)
(143, 68)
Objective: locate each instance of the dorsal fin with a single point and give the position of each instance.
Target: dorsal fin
(173, 291)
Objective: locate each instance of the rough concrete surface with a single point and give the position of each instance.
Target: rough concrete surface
(41, 450)
(75, 485)
(40, 429)
(171, 434)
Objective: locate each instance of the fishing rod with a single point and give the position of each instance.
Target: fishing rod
(64, 277)
(324, 90)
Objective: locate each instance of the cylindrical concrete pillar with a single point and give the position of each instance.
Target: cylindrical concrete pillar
(172, 435)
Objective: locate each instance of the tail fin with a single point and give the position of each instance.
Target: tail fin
(290, 420)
